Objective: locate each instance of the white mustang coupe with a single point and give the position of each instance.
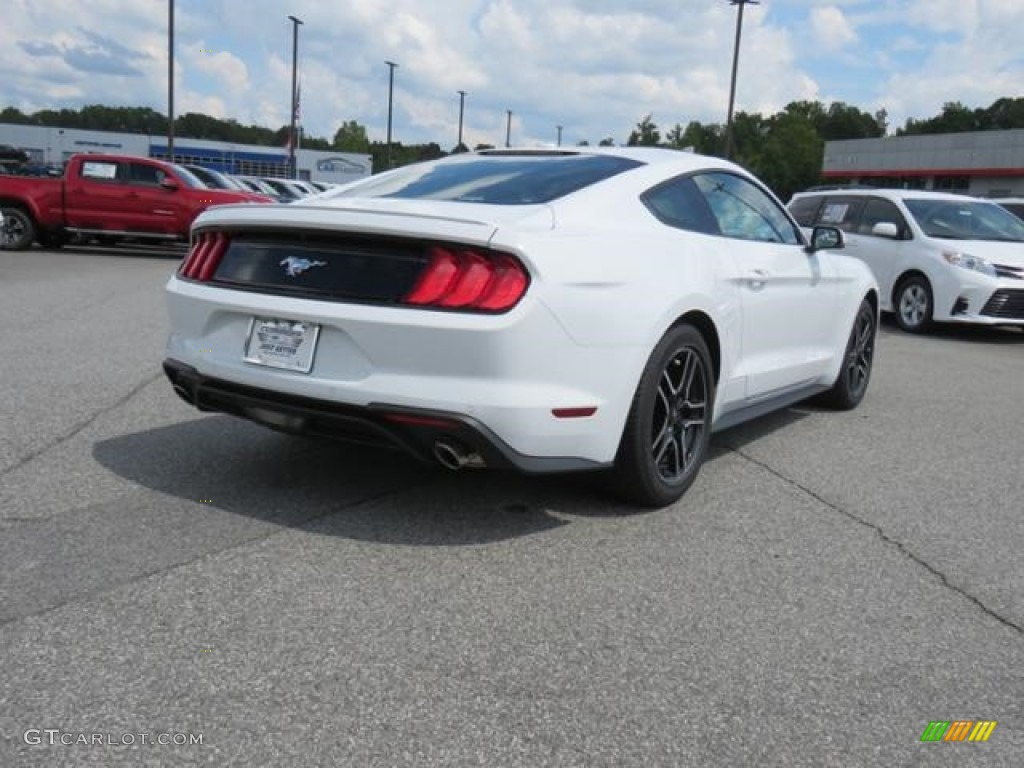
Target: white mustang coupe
(542, 310)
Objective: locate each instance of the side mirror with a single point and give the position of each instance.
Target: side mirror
(168, 183)
(886, 229)
(826, 238)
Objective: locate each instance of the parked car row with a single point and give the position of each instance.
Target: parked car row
(110, 198)
(281, 190)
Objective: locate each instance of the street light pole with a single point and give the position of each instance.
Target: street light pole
(735, 64)
(508, 128)
(462, 108)
(559, 135)
(170, 81)
(295, 67)
(391, 94)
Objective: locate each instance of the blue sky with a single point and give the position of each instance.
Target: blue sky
(595, 67)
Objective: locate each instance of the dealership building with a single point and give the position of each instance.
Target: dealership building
(52, 146)
(979, 163)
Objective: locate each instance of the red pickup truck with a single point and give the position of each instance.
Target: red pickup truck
(110, 197)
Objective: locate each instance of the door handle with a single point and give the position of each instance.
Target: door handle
(757, 277)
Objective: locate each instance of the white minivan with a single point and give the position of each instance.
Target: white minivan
(938, 257)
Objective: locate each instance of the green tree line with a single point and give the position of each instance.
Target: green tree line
(784, 149)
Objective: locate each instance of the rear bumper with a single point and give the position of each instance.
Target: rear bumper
(414, 431)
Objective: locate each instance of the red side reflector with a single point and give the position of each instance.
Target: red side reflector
(574, 413)
(420, 421)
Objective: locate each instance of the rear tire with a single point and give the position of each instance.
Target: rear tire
(858, 359)
(669, 424)
(19, 231)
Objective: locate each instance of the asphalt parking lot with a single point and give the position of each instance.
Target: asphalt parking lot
(830, 585)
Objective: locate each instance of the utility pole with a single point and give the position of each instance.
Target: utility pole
(391, 93)
(295, 68)
(170, 81)
(735, 64)
(462, 109)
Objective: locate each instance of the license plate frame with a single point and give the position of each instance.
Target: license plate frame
(277, 342)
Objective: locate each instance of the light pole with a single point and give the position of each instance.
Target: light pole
(170, 81)
(295, 67)
(735, 64)
(462, 109)
(391, 95)
(559, 135)
(508, 128)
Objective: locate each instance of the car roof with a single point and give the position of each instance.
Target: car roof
(889, 194)
(653, 156)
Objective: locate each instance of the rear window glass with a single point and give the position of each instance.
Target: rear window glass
(502, 179)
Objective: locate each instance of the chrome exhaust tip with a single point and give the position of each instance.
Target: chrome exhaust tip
(455, 456)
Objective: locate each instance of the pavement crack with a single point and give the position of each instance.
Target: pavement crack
(886, 538)
(80, 426)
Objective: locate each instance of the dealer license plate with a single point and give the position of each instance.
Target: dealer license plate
(278, 343)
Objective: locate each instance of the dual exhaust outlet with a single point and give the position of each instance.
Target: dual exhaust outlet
(453, 455)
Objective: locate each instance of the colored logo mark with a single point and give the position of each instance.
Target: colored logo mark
(958, 730)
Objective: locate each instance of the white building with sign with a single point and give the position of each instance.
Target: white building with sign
(52, 146)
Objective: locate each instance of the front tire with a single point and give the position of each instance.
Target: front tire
(19, 231)
(914, 304)
(669, 424)
(858, 359)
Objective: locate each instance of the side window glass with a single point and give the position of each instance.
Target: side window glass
(744, 211)
(680, 204)
(878, 210)
(842, 212)
(99, 171)
(149, 175)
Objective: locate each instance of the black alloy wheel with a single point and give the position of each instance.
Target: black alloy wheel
(858, 359)
(668, 428)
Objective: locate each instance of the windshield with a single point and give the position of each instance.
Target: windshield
(503, 179)
(966, 220)
(188, 177)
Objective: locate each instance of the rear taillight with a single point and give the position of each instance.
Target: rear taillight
(207, 251)
(469, 280)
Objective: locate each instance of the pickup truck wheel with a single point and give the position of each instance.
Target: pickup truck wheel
(19, 231)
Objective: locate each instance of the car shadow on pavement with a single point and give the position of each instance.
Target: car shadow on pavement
(250, 472)
(738, 437)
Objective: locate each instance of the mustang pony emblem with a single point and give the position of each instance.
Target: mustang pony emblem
(294, 266)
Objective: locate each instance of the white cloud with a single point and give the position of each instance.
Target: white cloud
(831, 29)
(593, 66)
